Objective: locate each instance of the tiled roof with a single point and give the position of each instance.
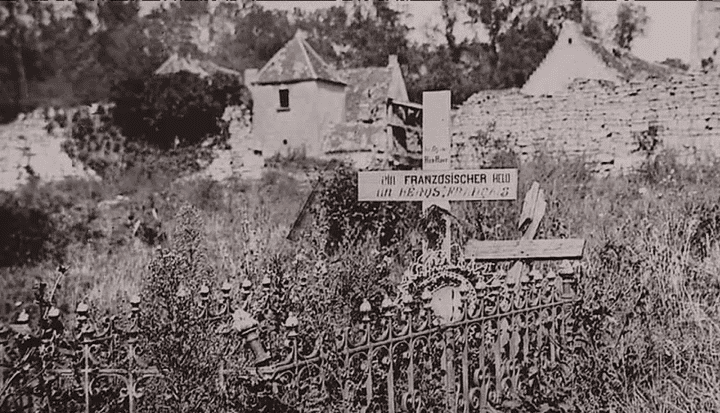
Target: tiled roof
(297, 61)
(175, 64)
(367, 91)
(628, 65)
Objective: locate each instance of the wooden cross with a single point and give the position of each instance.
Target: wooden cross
(437, 184)
(526, 248)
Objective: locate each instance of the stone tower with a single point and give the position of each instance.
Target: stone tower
(705, 31)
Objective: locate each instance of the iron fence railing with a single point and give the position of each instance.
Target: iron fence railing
(417, 353)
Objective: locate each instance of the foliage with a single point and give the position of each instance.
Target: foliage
(630, 24)
(184, 348)
(676, 63)
(259, 34)
(523, 48)
(433, 69)
(96, 143)
(350, 221)
(39, 223)
(179, 107)
(73, 54)
(372, 38)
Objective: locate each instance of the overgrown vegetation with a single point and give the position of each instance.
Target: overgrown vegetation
(178, 109)
(647, 325)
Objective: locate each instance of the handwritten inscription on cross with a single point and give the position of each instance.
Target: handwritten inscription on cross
(437, 184)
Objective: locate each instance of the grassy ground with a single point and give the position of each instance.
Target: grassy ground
(650, 286)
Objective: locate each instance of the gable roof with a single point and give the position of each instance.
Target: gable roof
(628, 65)
(568, 60)
(297, 61)
(175, 64)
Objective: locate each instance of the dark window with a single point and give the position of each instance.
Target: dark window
(284, 98)
(569, 40)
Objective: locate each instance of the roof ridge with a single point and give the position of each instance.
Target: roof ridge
(307, 56)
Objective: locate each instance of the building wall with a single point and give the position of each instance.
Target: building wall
(593, 119)
(313, 106)
(330, 110)
(569, 59)
(705, 28)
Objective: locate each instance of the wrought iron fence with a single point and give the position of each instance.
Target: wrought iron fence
(416, 353)
(73, 363)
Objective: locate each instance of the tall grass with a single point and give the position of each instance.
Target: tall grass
(649, 315)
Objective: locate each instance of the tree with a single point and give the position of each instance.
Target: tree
(178, 106)
(373, 38)
(495, 16)
(631, 22)
(259, 34)
(21, 24)
(590, 26)
(523, 48)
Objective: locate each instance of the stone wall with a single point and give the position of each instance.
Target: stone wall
(27, 148)
(599, 120)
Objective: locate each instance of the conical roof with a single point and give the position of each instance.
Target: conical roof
(297, 61)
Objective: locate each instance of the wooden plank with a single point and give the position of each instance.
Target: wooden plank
(532, 213)
(436, 136)
(406, 104)
(442, 186)
(436, 146)
(546, 249)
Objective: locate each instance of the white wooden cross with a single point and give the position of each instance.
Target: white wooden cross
(437, 183)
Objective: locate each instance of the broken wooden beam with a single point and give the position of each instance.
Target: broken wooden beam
(546, 249)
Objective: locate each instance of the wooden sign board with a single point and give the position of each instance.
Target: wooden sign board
(455, 185)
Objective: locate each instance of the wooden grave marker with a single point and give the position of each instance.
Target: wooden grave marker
(437, 184)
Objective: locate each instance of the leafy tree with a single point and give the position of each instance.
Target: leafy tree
(631, 22)
(431, 68)
(179, 106)
(21, 25)
(372, 38)
(590, 26)
(259, 34)
(523, 48)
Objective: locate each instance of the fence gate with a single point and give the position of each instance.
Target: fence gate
(458, 337)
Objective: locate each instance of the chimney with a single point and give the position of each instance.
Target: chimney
(393, 61)
(250, 76)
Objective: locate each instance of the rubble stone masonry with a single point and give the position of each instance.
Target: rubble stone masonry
(604, 122)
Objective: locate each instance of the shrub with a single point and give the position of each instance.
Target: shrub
(348, 220)
(180, 106)
(185, 348)
(96, 143)
(40, 222)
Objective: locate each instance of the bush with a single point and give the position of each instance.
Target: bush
(96, 143)
(179, 105)
(348, 220)
(184, 348)
(40, 222)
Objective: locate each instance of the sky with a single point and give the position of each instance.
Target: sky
(667, 32)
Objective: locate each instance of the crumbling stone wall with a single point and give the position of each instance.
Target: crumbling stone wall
(613, 126)
(32, 147)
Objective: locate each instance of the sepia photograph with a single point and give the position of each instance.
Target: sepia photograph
(359, 206)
